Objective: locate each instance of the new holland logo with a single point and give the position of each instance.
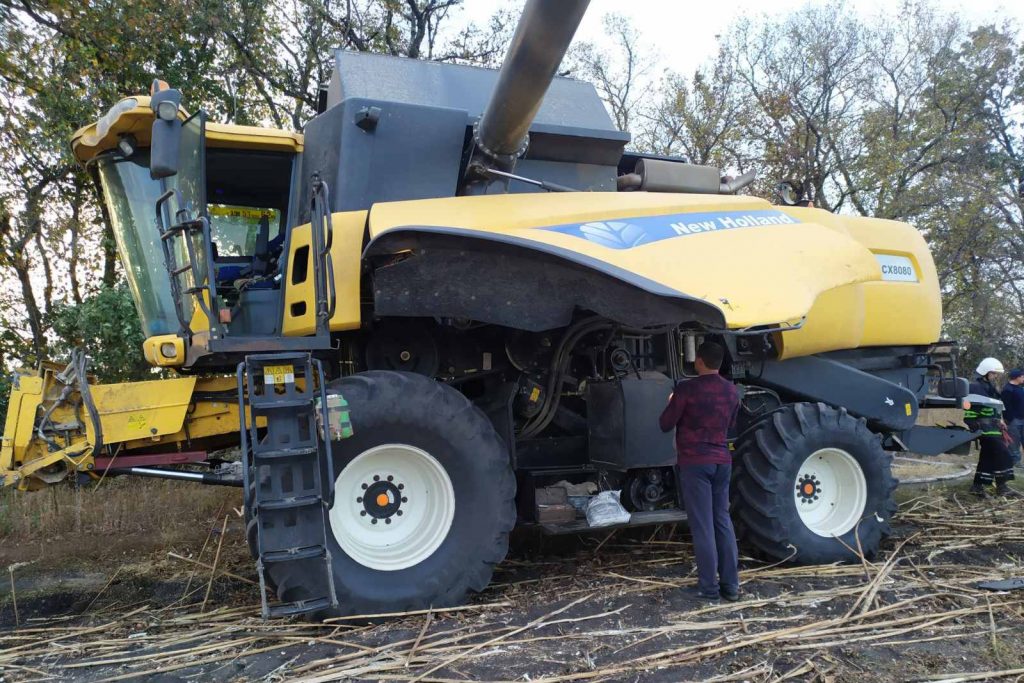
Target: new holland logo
(614, 234)
(643, 230)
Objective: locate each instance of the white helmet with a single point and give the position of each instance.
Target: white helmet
(989, 365)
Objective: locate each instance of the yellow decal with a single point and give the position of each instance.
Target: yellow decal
(535, 394)
(240, 211)
(909, 409)
(279, 374)
(137, 422)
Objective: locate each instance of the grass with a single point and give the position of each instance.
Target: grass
(128, 514)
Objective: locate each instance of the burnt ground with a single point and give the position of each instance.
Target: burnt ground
(600, 608)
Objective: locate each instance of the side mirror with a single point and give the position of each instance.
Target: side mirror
(165, 144)
(956, 387)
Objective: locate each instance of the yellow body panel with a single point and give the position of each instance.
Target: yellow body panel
(762, 275)
(134, 416)
(137, 120)
(135, 410)
(346, 253)
(880, 313)
(26, 395)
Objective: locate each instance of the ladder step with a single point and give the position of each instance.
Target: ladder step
(273, 454)
(289, 503)
(290, 609)
(262, 403)
(263, 359)
(178, 271)
(293, 554)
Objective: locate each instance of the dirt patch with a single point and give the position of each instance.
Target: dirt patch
(559, 611)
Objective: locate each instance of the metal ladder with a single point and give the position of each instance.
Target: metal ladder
(287, 472)
(179, 238)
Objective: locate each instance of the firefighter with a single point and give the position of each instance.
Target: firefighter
(994, 462)
(1013, 412)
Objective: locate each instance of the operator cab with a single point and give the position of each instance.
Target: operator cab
(238, 179)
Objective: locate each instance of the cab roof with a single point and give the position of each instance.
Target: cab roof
(132, 115)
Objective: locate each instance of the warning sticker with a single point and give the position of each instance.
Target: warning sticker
(137, 422)
(279, 374)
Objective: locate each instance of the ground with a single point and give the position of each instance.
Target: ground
(603, 607)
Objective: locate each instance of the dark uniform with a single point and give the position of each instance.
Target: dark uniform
(995, 464)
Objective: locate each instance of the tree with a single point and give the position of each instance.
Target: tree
(107, 326)
(620, 74)
(286, 47)
(702, 119)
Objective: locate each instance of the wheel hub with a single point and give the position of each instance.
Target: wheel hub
(808, 489)
(393, 507)
(830, 492)
(382, 499)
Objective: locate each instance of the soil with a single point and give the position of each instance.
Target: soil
(606, 607)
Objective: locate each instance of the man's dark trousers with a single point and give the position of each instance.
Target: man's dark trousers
(705, 490)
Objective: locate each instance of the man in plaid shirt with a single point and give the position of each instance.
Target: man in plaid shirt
(702, 410)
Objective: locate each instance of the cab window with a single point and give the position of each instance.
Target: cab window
(247, 201)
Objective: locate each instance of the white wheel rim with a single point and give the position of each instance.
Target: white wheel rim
(393, 507)
(830, 492)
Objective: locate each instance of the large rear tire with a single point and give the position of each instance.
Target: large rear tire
(812, 482)
(423, 503)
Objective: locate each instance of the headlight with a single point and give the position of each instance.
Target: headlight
(167, 350)
(167, 110)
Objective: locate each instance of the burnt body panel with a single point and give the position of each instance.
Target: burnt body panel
(515, 283)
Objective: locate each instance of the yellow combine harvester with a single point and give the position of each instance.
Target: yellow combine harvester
(455, 290)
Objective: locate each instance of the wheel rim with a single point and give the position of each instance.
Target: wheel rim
(831, 492)
(393, 507)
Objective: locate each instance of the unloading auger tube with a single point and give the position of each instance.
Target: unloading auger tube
(541, 40)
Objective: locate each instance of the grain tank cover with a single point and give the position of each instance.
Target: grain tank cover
(568, 103)
(395, 129)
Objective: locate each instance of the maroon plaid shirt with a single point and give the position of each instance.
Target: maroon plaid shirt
(701, 411)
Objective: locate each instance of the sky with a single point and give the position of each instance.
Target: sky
(680, 35)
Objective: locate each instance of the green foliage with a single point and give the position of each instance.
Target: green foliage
(107, 326)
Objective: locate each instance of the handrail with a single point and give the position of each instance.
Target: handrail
(322, 238)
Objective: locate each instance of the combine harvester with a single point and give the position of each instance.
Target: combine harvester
(456, 289)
